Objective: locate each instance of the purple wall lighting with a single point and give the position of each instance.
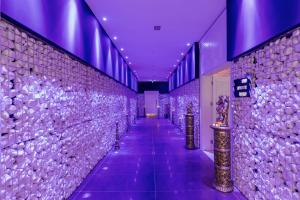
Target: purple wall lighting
(253, 22)
(187, 70)
(71, 25)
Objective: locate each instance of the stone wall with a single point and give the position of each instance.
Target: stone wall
(164, 103)
(179, 99)
(267, 125)
(58, 117)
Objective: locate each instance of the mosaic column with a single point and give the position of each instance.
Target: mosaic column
(223, 181)
(189, 129)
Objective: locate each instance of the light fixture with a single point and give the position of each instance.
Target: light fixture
(129, 63)
(178, 60)
(188, 44)
(115, 37)
(126, 57)
(174, 65)
(122, 49)
(182, 53)
(104, 19)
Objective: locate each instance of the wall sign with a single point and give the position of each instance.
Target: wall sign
(242, 87)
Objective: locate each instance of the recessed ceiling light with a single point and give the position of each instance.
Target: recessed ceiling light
(122, 49)
(115, 37)
(129, 63)
(104, 19)
(157, 28)
(188, 44)
(182, 53)
(126, 57)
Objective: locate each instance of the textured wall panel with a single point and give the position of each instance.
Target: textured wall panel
(267, 125)
(164, 103)
(57, 117)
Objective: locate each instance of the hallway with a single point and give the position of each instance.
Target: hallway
(152, 164)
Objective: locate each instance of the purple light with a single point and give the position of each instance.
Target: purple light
(97, 46)
(246, 17)
(72, 19)
(71, 25)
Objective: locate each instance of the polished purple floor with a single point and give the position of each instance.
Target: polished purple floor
(152, 164)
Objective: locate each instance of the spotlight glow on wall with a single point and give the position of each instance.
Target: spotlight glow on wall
(72, 24)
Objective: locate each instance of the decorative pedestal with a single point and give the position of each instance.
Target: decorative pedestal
(117, 143)
(189, 131)
(172, 116)
(127, 123)
(223, 181)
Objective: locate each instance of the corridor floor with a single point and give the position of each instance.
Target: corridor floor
(152, 164)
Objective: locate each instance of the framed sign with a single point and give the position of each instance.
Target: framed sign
(242, 87)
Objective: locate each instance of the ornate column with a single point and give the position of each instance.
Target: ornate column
(189, 128)
(117, 142)
(172, 116)
(222, 156)
(222, 149)
(127, 122)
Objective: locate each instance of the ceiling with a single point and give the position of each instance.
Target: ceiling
(153, 54)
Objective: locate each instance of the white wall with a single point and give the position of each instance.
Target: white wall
(151, 101)
(213, 47)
